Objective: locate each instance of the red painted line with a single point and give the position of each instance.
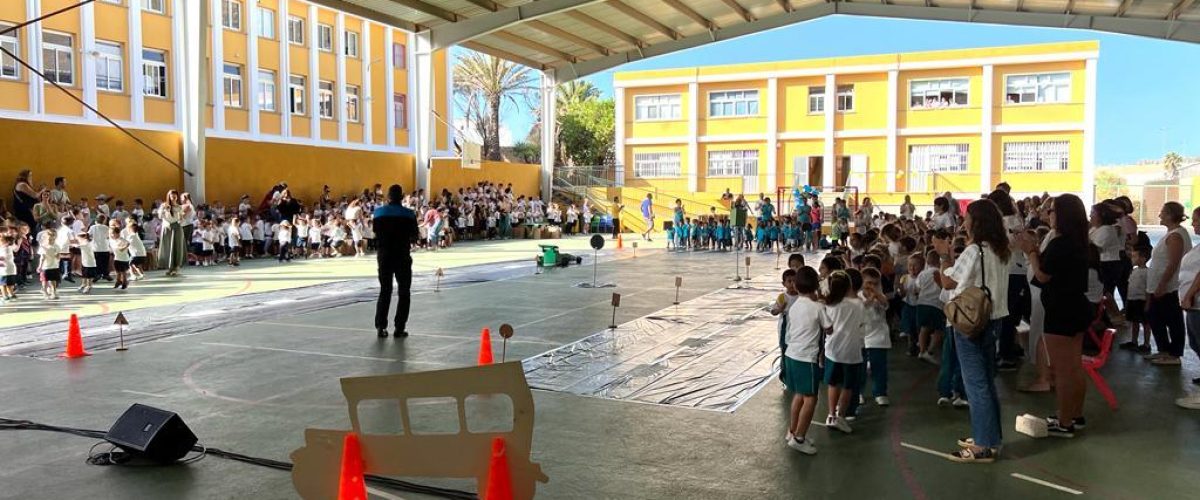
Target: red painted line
(898, 455)
(103, 308)
(244, 288)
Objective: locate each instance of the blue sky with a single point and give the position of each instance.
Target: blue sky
(1146, 88)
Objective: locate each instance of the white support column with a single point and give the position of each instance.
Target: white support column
(549, 132)
(87, 63)
(828, 169)
(425, 139)
(137, 95)
(410, 54)
(193, 91)
(448, 120)
(33, 54)
(985, 139)
(893, 100)
(365, 98)
(218, 65)
(389, 85)
(693, 145)
(619, 141)
(176, 83)
(314, 77)
(251, 90)
(772, 134)
(339, 87)
(1089, 132)
(284, 78)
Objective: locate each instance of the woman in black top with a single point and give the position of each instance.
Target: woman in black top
(24, 198)
(1061, 271)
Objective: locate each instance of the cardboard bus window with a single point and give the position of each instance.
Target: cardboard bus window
(380, 416)
(489, 413)
(433, 415)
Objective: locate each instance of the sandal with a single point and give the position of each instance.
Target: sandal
(970, 456)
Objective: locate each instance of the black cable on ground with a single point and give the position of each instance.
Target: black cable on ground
(115, 457)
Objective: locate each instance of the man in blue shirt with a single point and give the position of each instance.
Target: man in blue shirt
(395, 232)
(648, 216)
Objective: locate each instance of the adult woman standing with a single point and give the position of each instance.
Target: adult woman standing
(1062, 275)
(907, 209)
(44, 212)
(1189, 272)
(1037, 312)
(1162, 286)
(24, 198)
(863, 216)
(172, 250)
(984, 264)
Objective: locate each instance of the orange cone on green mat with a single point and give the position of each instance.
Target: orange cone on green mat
(485, 347)
(499, 482)
(74, 341)
(351, 483)
(620, 242)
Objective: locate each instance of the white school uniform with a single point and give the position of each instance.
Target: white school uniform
(804, 330)
(136, 247)
(99, 234)
(49, 252)
(930, 292)
(845, 344)
(234, 235)
(1137, 283)
(285, 235)
(244, 232)
(87, 255)
(119, 254)
(10, 265)
(878, 334)
(912, 288)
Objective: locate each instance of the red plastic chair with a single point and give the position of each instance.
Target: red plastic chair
(1093, 364)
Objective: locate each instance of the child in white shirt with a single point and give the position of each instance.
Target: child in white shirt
(48, 250)
(87, 260)
(8, 269)
(878, 340)
(314, 239)
(842, 320)
(121, 258)
(1135, 303)
(930, 318)
(802, 357)
(910, 291)
(137, 249)
(284, 235)
(234, 233)
(247, 239)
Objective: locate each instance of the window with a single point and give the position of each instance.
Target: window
(266, 23)
(154, 73)
(231, 14)
(351, 44)
(400, 109)
(938, 157)
(399, 56)
(109, 65)
(352, 103)
(232, 85)
(266, 90)
(845, 98)
(1042, 156)
(647, 165)
(325, 37)
(732, 163)
(159, 6)
(657, 107)
(296, 94)
(933, 94)
(816, 99)
(10, 42)
(733, 103)
(325, 99)
(58, 58)
(295, 30)
(1044, 88)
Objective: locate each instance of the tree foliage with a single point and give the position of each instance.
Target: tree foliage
(483, 84)
(1109, 185)
(528, 152)
(586, 131)
(1171, 165)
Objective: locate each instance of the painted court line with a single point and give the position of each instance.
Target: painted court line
(382, 494)
(311, 353)
(939, 454)
(1047, 484)
(139, 393)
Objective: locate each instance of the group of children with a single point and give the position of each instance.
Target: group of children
(60, 252)
(717, 233)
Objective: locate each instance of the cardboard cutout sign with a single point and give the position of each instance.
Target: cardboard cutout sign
(121, 320)
(461, 454)
(616, 300)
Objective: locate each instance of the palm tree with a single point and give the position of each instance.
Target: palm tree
(482, 85)
(575, 92)
(1171, 163)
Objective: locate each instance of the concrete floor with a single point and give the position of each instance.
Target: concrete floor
(254, 387)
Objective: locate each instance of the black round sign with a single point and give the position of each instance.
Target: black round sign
(597, 241)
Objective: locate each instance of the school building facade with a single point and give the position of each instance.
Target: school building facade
(914, 123)
(297, 92)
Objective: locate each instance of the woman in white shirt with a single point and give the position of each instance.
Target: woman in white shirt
(172, 251)
(1189, 270)
(942, 217)
(984, 263)
(1162, 286)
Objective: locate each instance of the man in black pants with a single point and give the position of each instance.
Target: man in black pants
(395, 232)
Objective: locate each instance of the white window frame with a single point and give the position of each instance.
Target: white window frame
(295, 32)
(657, 165)
(267, 91)
(400, 110)
(9, 68)
(733, 103)
(110, 59)
(232, 90)
(266, 23)
(324, 37)
(350, 43)
(296, 93)
(353, 103)
(1037, 156)
(936, 88)
(845, 98)
(1036, 85)
(399, 55)
(231, 15)
(155, 6)
(816, 99)
(657, 105)
(59, 50)
(325, 107)
(732, 162)
(155, 78)
(939, 158)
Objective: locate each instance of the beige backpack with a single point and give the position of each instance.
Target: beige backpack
(970, 312)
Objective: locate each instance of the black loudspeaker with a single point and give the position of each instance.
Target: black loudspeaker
(152, 433)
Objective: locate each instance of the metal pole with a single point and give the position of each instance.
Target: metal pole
(122, 347)
(595, 253)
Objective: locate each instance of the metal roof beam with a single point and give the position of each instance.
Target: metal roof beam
(1123, 7)
(365, 13)
(785, 5)
(607, 28)
(638, 16)
(432, 10)
(691, 14)
(741, 11)
(535, 46)
(1180, 7)
(508, 56)
(486, 4)
(568, 36)
(468, 29)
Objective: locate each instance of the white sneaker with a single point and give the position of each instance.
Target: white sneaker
(928, 358)
(838, 423)
(803, 446)
(943, 401)
(882, 400)
(789, 437)
(1190, 402)
(960, 402)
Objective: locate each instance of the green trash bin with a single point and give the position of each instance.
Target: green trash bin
(549, 255)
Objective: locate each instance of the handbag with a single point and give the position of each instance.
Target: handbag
(970, 312)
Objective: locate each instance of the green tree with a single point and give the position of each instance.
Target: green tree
(482, 85)
(528, 152)
(575, 92)
(586, 132)
(1109, 185)
(1171, 164)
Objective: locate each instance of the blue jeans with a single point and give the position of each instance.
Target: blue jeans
(978, 359)
(878, 361)
(949, 373)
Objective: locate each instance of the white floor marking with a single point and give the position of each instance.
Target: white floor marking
(1047, 484)
(206, 312)
(383, 494)
(530, 340)
(577, 309)
(311, 353)
(278, 302)
(139, 393)
(939, 454)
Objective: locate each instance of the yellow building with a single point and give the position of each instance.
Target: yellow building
(918, 123)
(301, 93)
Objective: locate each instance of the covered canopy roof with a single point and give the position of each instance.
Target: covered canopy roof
(579, 37)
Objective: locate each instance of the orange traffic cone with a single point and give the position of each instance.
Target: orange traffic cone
(351, 485)
(74, 341)
(485, 347)
(499, 482)
(620, 242)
